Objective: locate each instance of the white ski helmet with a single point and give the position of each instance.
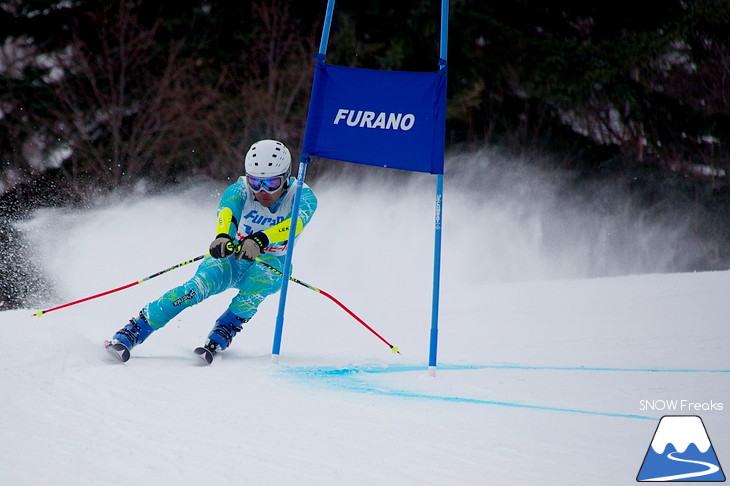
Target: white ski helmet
(268, 158)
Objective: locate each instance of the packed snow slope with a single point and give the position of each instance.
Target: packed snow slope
(545, 375)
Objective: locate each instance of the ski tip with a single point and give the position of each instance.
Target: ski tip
(205, 355)
(118, 350)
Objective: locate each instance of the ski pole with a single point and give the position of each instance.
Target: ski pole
(236, 246)
(174, 267)
(41, 312)
(320, 291)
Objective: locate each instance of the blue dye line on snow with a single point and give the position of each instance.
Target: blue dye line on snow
(350, 379)
(507, 366)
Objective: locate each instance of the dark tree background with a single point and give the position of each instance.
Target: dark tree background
(113, 91)
(96, 95)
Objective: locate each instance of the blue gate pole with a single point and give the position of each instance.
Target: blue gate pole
(326, 27)
(303, 161)
(439, 209)
(436, 275)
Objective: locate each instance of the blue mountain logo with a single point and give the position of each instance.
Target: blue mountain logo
(681, 451)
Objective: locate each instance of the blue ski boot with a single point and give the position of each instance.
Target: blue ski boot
(225, 329)
(129, 336)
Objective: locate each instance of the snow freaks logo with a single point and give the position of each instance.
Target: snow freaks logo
(680, 451)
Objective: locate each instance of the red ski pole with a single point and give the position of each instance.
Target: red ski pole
(41, 312)
(311, 287)
(304, 284)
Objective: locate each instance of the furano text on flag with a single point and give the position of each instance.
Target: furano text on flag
(370, 119)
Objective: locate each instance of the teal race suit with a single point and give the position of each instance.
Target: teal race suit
(239, 215)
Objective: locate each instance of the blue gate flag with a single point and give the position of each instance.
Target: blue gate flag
(393, 119)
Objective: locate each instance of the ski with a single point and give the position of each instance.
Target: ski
(119, 350)
(204, 354)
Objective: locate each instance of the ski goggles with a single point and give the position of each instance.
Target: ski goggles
(269, 184)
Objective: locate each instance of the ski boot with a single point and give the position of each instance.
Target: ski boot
(128, 337)
(226, 327)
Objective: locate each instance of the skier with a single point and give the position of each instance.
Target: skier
(254, 216)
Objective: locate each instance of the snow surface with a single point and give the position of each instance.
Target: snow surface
(541, 380)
